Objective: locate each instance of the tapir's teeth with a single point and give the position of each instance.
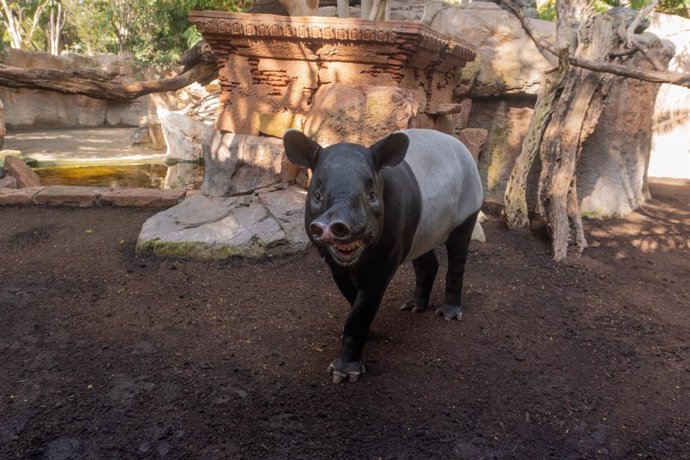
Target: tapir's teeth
(349, 246)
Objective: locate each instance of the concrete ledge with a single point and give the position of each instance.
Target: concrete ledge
(65, 195)
(62, 195)
(143, 197)
(16, 196)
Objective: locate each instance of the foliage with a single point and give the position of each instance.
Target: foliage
(151, 30)
(547, 10)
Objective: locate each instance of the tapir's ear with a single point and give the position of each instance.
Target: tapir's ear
(391, 150)
(300, 149)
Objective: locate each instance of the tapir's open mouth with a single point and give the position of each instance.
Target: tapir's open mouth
(346, 253)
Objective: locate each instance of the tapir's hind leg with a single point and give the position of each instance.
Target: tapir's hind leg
(425, 269)
(458, 245)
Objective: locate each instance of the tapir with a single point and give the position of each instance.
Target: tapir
(369, 210)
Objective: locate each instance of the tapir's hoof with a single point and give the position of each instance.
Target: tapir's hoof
(414, 306)
(450, 312)
(348, 371)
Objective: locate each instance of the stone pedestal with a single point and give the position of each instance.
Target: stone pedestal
(273, 64)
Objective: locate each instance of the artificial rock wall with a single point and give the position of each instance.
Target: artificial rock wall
(503, 83)
(24, 108)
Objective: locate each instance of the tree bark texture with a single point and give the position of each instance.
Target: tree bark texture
(95, 84)
(199, 65)
(566, 112)
(515, 197)
(576, 112)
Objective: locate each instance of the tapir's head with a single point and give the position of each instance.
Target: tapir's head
(344, 212)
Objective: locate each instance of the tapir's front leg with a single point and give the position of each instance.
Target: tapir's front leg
(349, 364)
(344, 282)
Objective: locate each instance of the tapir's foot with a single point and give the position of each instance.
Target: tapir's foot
(450, 312)
(346, 371)
(413, 305)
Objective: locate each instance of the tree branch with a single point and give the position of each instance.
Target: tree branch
(199, 63)
(98, 85)
(544, 47)
(654, 76)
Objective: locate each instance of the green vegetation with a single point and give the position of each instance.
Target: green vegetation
(547, 10)
(151, 30)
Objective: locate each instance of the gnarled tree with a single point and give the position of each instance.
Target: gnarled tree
(591, 53)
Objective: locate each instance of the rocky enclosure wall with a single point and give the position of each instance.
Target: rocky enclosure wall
(25, 108)
(503, 83)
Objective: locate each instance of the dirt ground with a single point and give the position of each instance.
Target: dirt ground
(109, 355)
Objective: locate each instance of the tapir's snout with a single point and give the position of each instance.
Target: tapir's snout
(342, 231)
(336, 230)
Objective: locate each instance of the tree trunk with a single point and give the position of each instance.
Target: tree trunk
(97, 85)
(569, 106)
(567, 110)
(515, 197)
(200, 65)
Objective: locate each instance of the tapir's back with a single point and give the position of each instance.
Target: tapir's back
(449, 185)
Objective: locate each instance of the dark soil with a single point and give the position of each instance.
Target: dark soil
(109, 355)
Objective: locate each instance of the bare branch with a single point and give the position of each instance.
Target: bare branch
(653, 76)
(633, 41)
(544, 47)
(644, 12)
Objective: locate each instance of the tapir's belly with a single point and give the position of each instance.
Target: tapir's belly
(449, 185)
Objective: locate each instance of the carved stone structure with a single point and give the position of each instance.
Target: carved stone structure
(272, 64)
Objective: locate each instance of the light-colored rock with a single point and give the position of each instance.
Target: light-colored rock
(614, 158)
(149, 133)
(21, 172)
(26, 108)
(183, 176)
(506, 122)
(18, 196)
(143, 197)
(156, 133)
(300, 7)
(64, 195)
(508, 62)
(327, 11)
(670, 155)
(275, 124)
(141, 136)
(186, 138)
(423, 121)
(453, 123)
(474, 139)
(127, 113)
(417, 10)
(8, 182)
(203, 227)
(238, 164)
(287, 207)
(114, 65)
(342, 113)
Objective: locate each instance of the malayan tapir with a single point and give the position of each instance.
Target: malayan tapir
(369, 210)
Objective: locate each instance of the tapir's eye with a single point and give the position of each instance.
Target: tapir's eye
(317, 197)
(372, 196)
